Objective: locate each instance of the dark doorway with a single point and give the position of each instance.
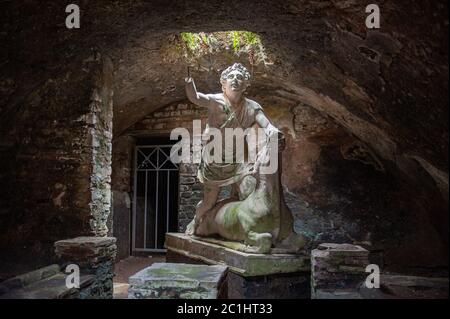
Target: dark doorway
(155, 195)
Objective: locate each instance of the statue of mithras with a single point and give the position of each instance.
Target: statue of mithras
(255, 218)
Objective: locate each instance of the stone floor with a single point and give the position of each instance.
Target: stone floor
(128, 267)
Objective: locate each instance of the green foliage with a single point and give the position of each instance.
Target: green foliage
(243, 39)
(190, 40)
(197, 45)
(251, 38)
(236, 40)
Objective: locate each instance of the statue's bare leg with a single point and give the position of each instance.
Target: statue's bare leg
(210, 196)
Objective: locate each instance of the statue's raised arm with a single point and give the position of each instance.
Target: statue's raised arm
(195, 97)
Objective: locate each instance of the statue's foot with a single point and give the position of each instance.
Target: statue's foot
(261, 243)
(191, 227)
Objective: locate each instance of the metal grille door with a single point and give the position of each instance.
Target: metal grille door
(155, 204)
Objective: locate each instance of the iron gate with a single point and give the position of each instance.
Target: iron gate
(155, 200)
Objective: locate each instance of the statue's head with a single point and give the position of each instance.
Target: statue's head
(235, 79)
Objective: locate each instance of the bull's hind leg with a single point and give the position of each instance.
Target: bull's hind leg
(260, 243)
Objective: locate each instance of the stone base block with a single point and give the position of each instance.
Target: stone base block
(244, 264)
(178, 281)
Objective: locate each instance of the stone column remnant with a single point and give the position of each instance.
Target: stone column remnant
(100, 134)
(337, 271)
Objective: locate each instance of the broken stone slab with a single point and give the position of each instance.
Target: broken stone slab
(53, 287)
(29, 278)
(342, 250)
(86, 241)
(337, 294)
(340, 258)
(414, 281)
(81, 248)
(241, 263)
(396, 286)
(178, 281)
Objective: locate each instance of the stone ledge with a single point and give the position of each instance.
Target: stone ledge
(241, 263)
(84, 248)
(341, 250)
(86, 241)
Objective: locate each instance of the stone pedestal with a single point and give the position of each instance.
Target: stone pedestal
(338, 270)
(178, 281)
(250, 275)
(95, 256)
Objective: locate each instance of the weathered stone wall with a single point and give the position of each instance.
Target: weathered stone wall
(340, 191)
(58, 156)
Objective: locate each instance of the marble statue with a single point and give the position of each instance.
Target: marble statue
(255, 218)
